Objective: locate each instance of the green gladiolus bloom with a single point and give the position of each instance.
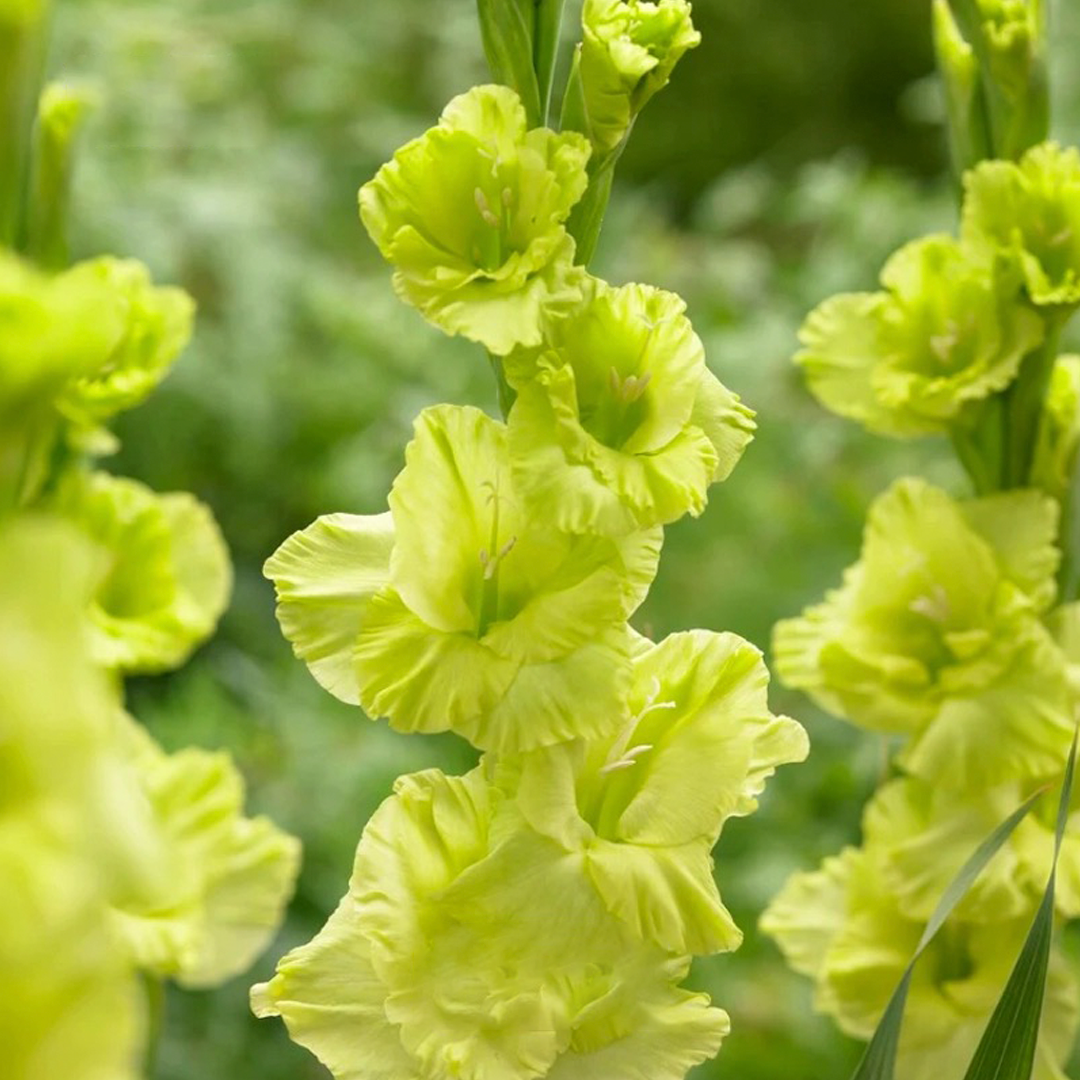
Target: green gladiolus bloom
(230, 876)
(71, 825)
(456, 610)
(1031, 212)
(842, 927)
(166, 573)
(629, 51)
(948, 331)
(71, 1007)
(935, 632)
(471, 216)
(409, 978)
(618, 424)
(52, 330)
(642, 808)
(157, 327)
(924, 834)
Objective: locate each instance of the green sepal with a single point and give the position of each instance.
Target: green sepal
(627, 55)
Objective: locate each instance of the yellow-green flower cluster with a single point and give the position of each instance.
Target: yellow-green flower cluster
(956, 318)
(536, 917)
(945, 634)
(116, 858)
(949, 634)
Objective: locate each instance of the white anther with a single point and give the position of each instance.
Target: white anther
(934, 605)
(942, 345)
(485, 209)
(617, 766)
(491, 565)
(628, 760)
(631, 388)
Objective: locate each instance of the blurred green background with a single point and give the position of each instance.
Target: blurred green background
(794, 150)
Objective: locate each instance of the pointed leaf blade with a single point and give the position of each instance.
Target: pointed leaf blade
(1007, 1048)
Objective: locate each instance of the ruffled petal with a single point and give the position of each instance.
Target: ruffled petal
(230, 876)
(666, 895)
(167, 573)
(333, 1003)
(325, 577)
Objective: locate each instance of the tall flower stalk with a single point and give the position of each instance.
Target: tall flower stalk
(120, 865)
(537, 916)
(953, 633)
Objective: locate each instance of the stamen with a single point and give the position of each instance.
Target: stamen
(1062, 237)
(630, 389)
(934, 606)
(485, 209)
(491, 565)
(617, 766)
(623, 758)
(507, 197)
(942, 345)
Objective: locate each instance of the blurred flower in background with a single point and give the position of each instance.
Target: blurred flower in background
(795, 152)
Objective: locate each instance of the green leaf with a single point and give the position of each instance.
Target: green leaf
(508, 29)
(879, 1061)
(549, 16)
(1007, 1048)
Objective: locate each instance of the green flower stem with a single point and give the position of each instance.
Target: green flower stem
(22, 51)
(506, 393)
(1023, 404)
(968, 122)
(154, 991)
(60, 118)
(978, 447)
(1069, 572)
(587, 218)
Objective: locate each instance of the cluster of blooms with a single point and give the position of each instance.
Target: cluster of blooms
(951, 633)
(116, 858)
(535, 917)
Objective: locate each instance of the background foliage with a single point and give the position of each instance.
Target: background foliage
(795, 150)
